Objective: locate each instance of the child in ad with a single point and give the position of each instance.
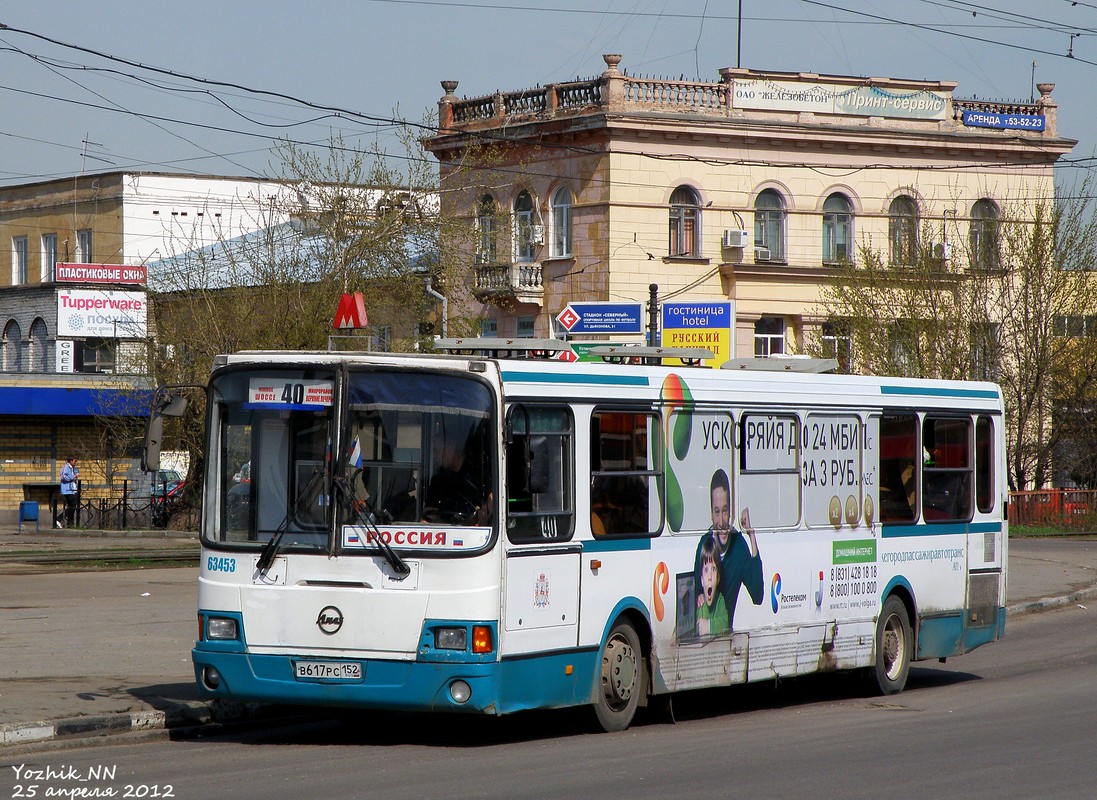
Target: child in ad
(712, 611)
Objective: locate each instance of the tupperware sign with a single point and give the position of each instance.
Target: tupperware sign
(87, 312)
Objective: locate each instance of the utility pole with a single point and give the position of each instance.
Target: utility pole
(739, 39)
(653, 315)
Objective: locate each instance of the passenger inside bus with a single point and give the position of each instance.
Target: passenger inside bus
(898, 468)
(946, 483)
(454, 494)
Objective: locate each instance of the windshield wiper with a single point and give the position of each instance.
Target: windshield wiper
(270, 549)
(399, 566)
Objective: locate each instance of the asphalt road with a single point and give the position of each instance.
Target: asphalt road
(1012, 721)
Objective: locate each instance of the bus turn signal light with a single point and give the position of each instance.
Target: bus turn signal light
(481, 639)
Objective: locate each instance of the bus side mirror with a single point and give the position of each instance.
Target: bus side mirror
(164, 405)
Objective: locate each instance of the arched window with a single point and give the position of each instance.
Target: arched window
(903, 230)
(486, 220)
(769, 226)
(561, 222)
(837, 229)
(39, 347)
(685, 223)
(13, 347)
(523, 227)
(983, 234)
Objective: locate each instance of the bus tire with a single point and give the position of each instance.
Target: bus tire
(620, 678)
(893, 647)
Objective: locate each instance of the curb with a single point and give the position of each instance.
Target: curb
(1049, 603)
(99, 725)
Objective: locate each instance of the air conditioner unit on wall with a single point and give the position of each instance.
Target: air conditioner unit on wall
(537, 234)
(761, 254)
(942, 251)
(735, 238)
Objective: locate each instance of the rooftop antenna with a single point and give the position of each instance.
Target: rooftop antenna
(1032, 92)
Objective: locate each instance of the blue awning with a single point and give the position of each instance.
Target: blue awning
(74, 402)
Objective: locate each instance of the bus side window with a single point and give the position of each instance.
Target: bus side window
(540, 474)
(625, 468)
(984, 465)
(898, 467)
(946, 469)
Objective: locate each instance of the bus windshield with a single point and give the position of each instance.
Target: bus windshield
(413, 448)
(420, 448)
(272, 433)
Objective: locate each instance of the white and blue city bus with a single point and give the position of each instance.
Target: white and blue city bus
(481, 533)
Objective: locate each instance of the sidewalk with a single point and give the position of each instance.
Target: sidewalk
(95, 652)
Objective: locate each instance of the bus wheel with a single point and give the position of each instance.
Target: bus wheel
(893, 647)
(620, 679)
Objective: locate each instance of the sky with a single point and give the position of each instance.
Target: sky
(209, 86)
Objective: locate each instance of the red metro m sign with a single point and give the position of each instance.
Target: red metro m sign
(351, 313)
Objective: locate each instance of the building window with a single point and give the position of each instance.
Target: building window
(903, 340)
(489, 327)
(13, 347)
(524, 327)
(1075, 326)
(40, 350)
(837, 229)
(903, 230)
(685, 223)
(838, 344)
(18, 260)
(983, 234)
(95, 355)
(561, 223)
(984, 351)
(486, 222)
(523, 227)
(769, 226)
(83, 246)
(769, 337)
(49, 256)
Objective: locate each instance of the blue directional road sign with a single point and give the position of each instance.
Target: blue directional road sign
(602, 318)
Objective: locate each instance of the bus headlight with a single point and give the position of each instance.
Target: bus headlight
(220, 628)
(450, 638)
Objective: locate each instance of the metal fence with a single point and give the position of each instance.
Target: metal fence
(1070, 509)
(101, 513)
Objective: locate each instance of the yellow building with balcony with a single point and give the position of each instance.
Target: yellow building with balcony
(749, 189)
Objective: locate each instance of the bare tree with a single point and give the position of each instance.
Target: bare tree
(1017, 305)
(344, 219)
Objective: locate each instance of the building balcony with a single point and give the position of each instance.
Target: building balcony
(519, 283)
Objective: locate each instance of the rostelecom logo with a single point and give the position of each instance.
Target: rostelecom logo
(775, 592)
